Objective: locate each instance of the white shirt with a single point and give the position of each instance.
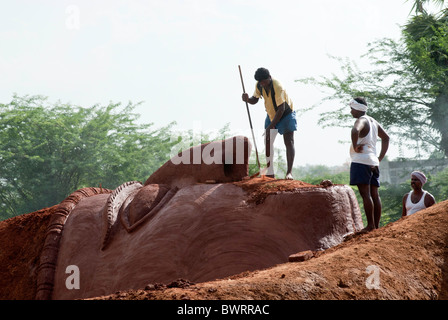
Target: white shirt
(368, 156)
(414, 207)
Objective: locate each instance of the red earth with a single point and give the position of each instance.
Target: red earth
(407, 259)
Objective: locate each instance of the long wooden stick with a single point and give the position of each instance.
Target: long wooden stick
(250, 121)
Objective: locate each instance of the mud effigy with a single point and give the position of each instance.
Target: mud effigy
(196, 220)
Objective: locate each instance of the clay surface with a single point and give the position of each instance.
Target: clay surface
(205, 232)
(405, 260)
(218, 161)
(198, 221)
(418, 243)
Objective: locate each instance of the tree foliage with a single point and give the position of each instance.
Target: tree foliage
(407, 92)
(391, 195)
(407, 88)
(48, 151)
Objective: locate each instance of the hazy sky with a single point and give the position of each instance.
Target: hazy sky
(181, 57)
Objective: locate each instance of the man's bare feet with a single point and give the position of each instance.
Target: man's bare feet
(349, 236)
(366, 230)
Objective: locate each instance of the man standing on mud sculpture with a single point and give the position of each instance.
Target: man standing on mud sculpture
(364, 168)
(280, 118)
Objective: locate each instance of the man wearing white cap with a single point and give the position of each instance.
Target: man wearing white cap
(418, 199)
(364, 167)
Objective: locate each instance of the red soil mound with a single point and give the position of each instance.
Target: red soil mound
(407, 259)
(260, 188)
(21, 240)
(203, 232)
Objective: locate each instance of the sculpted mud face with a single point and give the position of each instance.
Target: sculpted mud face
(189, 221)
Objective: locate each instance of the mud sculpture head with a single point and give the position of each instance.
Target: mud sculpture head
(217, 161)
(176, 226)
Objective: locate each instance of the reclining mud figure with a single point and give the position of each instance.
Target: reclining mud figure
(192, 219)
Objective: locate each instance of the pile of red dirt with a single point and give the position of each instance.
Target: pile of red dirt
(260, 188)
(407, 259)
(203, 232)
(21, 241)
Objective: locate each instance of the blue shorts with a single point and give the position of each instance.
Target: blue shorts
(364, 174)
(286, 124)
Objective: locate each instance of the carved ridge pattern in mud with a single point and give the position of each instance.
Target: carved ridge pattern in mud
(50, 250)
(113, 205)
(125, 218)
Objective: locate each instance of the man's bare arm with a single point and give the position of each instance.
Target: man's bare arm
(384, 142)
(251, 100)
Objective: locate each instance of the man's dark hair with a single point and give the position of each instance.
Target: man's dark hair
(361, 100)
(262, 74)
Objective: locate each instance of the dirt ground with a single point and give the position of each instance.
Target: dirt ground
(21, 241)
(407, 259)
(260, 188)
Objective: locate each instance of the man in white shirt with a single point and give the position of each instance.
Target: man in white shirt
(418, 199)
(364, 167)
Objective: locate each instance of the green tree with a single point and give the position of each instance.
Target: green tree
(425, 37)
(407, 88)
(314, 174)
(47, 151)
(391, 199)
(437, 185)
(420, 8)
